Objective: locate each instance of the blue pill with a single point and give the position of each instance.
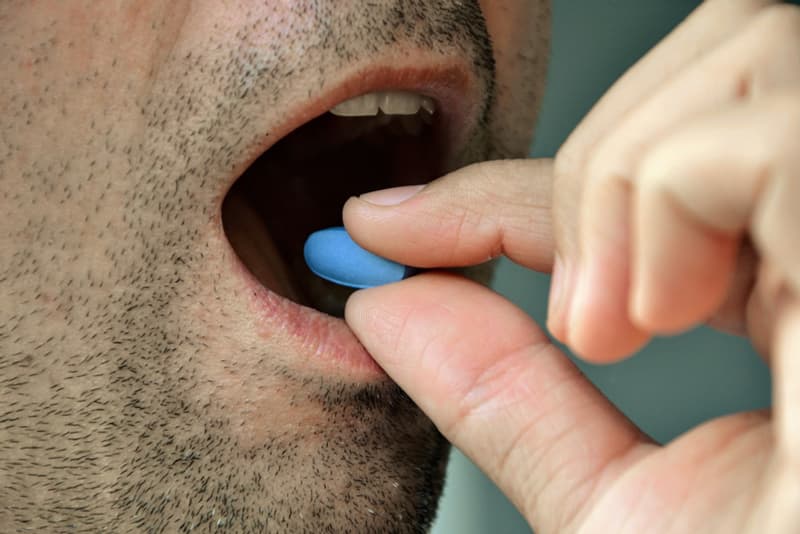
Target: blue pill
(333, 255)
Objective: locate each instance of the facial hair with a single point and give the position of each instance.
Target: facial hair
(108, 422)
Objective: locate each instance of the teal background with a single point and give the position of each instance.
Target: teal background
(673, 384)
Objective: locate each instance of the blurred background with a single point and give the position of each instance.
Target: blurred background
(675, 383)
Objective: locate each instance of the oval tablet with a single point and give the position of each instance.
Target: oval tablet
(333, 255)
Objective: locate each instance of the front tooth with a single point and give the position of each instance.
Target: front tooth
(397, 103)
(390, 102)
(362, 106)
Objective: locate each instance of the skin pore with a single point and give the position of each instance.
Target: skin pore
(137, 394)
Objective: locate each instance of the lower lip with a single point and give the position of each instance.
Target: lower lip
(325, 341)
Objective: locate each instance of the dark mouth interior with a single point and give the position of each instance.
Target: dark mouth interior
(300, 185)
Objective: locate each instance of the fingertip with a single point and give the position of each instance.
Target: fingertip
(649, 312)
(656, 309)
(606, 346)
(599, 329)
(644, 313)
(381, 317)
(354, 215)
(396, 294)
(378, 204)
(681, 270)
(353, 306)
(350, 205)
(356, 309)
(388, 231)
(356, 212)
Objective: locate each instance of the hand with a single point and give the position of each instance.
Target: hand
(719, 166)
(663, 179)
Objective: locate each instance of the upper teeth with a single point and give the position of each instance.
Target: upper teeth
(389, 102)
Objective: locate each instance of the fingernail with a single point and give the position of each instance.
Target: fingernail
(393, 196)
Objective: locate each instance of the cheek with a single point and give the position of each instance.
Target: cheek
(507, 21)
(512, 22)
(517, 29)
(520, 32)
(264, 25)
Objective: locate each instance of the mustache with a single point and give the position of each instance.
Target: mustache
(335, 33)
(443, 24)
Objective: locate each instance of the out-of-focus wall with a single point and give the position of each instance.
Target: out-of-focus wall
(675, 383)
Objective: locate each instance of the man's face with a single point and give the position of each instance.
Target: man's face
(154, 378)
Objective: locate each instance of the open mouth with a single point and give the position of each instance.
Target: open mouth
(374, 141)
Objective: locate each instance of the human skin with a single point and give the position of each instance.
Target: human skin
(673, 203)
(141, 391)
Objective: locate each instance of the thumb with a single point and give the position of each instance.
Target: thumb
(496, 387)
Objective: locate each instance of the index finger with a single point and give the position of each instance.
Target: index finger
(467, 217)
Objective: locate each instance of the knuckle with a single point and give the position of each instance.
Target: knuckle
(489, 202)
(776, 24)
(461, 231)
(446, 229)
(568, 162)
(768, 51)
(603, 164)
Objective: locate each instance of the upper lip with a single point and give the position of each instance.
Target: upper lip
(452, 84)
